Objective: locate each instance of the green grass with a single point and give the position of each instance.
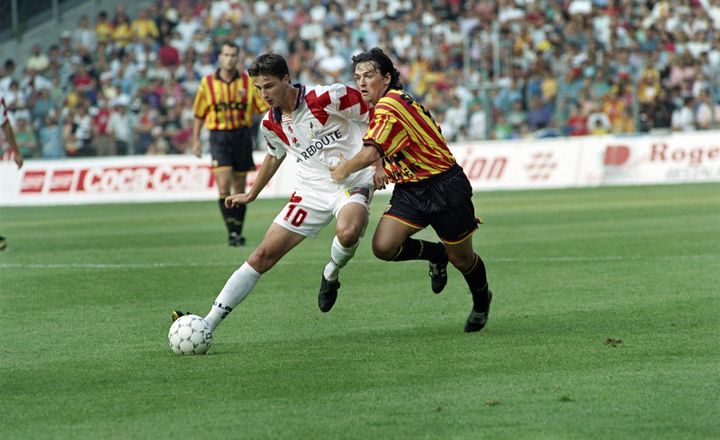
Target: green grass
(86, 294)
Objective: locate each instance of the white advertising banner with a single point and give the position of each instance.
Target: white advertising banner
(679, 158)
(122, 179)
(525, 164)
(521, 164)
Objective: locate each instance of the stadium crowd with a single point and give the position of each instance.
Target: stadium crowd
(501, 69)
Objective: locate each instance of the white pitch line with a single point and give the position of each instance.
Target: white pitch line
(490, 260)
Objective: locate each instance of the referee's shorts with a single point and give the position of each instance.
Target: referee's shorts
(232, 148)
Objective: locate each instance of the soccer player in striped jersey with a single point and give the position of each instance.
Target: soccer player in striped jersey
(431, 189)
(316, 126)
(226, 104)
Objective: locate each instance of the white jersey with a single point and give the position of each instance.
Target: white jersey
(328, 123)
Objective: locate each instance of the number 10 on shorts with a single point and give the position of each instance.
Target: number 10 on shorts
(299, 215)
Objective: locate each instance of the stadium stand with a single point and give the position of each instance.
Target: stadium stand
(121, 81)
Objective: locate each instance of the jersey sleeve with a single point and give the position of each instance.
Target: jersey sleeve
(347, 102)
(385, 132)
(201, 105)
(277, 141)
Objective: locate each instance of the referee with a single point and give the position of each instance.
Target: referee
(226, 103)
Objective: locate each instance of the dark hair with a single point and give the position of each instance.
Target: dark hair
(382, 63)
(269, 64)
(231, 44)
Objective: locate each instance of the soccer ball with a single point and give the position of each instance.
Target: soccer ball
(190, 334)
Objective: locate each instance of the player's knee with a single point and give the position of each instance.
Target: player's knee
(261, 260)
(462, 261)
(383, 251)
(348, 236)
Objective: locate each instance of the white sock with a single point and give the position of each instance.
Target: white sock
(237, 287)
(339, 256)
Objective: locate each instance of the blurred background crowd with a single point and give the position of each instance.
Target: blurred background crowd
(117, 84)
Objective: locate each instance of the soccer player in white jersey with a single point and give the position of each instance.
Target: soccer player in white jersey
(12, 143)
(317, 126)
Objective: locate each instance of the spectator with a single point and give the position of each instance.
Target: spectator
(455, 119)
(144, 26)
(539, 115)
(103, 28)
(83, 131)
(120, 126)
(598, 122)
(577, 123)
(85, 37)
(662, 111)
(25, 137)
(477, 122)
(7, 75)
(683, 118)
(502, 129)
(706, 114)
(146, 121)
(122, 31)
(38, 61)
(51, 137)
(102, 141)
(168, 56)
(187, 26)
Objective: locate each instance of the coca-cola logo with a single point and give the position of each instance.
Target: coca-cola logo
(130, 179)
(33, 181)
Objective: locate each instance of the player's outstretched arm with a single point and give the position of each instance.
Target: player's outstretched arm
(267, 170)
(364, 158)
(10, 137)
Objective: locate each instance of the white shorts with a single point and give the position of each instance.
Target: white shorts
(310, 209)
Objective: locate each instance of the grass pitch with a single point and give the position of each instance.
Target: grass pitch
(604, 324)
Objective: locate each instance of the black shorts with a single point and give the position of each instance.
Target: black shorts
(443, 202)
(232, 148)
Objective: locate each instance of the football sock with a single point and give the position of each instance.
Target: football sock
(237, 218)
(339, 256)
(476, 279)
(413, 249)
(237, 287)
(234, 217)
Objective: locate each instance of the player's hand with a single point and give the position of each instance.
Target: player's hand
(380, 179)
(236, 200)
(18, 160)
(197, 148)
(338, 173)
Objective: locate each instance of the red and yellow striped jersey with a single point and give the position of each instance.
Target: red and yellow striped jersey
(228, 105)
(406, 135)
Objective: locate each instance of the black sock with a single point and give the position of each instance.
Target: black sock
(238, 216)
(234, 217)
(224, 213)
(413, 249)
(476, 279)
